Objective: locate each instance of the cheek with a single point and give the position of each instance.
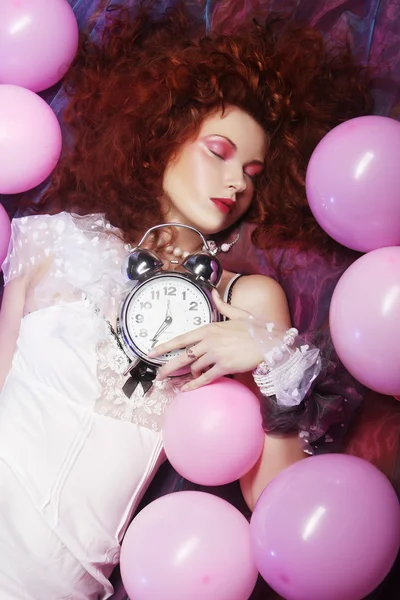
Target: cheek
(245, 200)
(199, 170)
(190, 173)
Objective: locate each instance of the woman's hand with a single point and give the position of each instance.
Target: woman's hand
(215, 350)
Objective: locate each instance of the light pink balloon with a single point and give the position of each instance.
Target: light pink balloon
(30, 139)
(213, 435)
(38, 41)
(5, 232)
(326, 528)
(188, 545)
(353, 183)
(365, 320)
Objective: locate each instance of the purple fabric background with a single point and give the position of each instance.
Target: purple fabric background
(373, 29)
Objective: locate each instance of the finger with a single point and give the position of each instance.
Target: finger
(203, 363)
(174, 365)
(181, 341)
(195, 373)
(231, 312)
(204, 379)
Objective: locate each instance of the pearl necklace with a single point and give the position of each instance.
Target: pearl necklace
(212, 248)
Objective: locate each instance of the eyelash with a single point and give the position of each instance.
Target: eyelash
(216, 154)
(252, 177)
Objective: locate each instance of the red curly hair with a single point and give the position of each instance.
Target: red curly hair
(144, 90)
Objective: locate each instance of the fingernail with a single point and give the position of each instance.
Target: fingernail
(185, 387)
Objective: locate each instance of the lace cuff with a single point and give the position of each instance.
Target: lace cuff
(290, 366)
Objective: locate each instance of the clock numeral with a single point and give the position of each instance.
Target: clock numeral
(197, 321)
(146, 306)
(155, 294)
(143, 333)
(184, 295)
(169, 290)
(193, 306)
(139, 318)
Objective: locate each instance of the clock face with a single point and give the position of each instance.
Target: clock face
(162, 308)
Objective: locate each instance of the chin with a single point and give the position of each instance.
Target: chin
(210, 231)
(210, 223)
(214, 226)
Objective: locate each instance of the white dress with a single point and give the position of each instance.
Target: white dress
(75, 454)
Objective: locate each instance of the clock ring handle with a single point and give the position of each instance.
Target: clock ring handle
(174, 225)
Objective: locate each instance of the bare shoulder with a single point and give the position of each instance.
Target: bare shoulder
(263, 297)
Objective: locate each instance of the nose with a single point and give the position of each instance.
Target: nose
(235, 178)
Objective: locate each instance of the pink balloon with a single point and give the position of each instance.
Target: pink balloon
(326, 528)
(5, 233)
(188, 545)
(30, 140)
(38, 41)
(353, 183)
(365, 320)
(213, 435)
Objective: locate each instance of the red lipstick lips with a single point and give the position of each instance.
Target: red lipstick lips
(225, 205)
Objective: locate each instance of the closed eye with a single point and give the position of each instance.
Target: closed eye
(254, 178)
(254, 171)
(216, 154)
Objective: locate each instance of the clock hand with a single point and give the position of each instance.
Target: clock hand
(167, 321)
(164, 325)
(168, 313)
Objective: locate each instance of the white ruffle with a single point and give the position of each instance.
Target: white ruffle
(290, 364)
(74, 257)
(80, 259)
(291, 382)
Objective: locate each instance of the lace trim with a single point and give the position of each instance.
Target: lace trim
(83, 258)
(146, 410)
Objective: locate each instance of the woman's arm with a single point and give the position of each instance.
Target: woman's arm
(10, 319)
(228, 348)
(278, 453)
(265, 299)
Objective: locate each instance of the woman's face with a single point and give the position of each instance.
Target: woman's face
(210, 182)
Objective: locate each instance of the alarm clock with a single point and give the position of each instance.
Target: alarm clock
(163, 304)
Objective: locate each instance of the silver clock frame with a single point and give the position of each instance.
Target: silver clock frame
(133, 352)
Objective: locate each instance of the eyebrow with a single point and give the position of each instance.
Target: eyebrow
(251, 162)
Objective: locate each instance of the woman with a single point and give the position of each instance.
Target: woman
(161, 128)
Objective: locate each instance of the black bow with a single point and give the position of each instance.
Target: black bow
(143, 374)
